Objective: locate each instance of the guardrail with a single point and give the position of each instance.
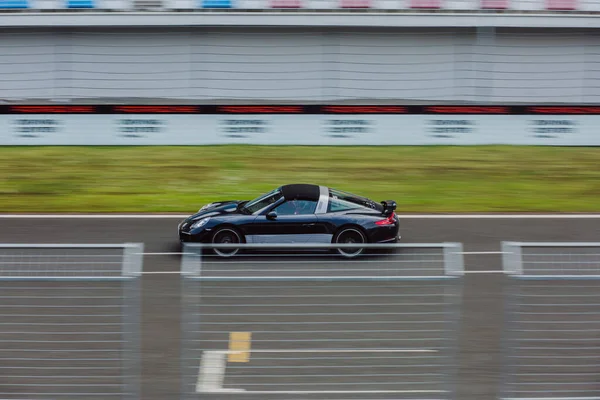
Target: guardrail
(551, 334)
(70, 320)
(263, 325)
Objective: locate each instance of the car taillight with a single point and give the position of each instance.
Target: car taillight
(388, 221)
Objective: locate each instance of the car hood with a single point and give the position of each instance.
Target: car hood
(217, 208)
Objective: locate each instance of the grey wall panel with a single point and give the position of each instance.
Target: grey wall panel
(138, 64)
(295, 65)
(257, 65)
(405, 65)
(538, 67)
(27, 65)
(591, 84)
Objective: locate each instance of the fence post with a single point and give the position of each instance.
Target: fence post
(454, 263)
(133, 259)
(512, 262)
(132, 268)
(191, 264)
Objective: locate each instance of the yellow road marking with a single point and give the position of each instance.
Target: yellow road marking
(239, 346)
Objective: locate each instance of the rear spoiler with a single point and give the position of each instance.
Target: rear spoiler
(389, 206)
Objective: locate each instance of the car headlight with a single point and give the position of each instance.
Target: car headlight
(200, 222)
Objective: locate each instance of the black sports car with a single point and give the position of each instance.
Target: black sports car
(298, 213)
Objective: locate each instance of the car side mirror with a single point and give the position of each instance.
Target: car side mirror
(272, 215)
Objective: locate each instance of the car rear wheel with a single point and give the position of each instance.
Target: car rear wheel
(226, 236)
(350, 236)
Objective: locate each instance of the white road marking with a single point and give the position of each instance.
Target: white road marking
(179, 272)
(485, 272)
(222, 390)
(211, 374)
(480, 252)
(402, 216)
(549, 398)
(339, 351)
(160, 272)
(325, 277)
(331, 391)
(175, 253)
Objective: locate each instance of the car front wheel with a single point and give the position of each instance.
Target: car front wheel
(350, 236)
(226, 236)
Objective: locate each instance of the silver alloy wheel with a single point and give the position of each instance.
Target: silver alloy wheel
(226, 236)
(350, 236)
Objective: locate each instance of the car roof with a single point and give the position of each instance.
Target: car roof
(301, 191)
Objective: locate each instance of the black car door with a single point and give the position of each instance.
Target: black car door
(292, 221)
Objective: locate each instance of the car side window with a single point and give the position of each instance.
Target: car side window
(296, 207)
(336, 204)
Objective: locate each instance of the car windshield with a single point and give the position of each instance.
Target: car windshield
(261, 202)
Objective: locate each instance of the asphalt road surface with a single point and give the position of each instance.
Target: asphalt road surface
(478, 369)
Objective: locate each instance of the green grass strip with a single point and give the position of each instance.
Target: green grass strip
(181, 179)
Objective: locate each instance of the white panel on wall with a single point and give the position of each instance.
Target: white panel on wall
(462, 4)
(115, 4)
(269, 129)
(589, 5)
(322, 4)
(48, 4)
(528, 4)
(180, 4)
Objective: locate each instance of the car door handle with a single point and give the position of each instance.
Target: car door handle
(308, 225)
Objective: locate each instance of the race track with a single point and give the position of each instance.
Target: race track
(479, 365)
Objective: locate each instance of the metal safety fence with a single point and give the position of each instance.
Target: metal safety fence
(552, 326)
(69, 326)
(312, 325)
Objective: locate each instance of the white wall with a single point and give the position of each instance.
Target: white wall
(307, 129)
(294, 65)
